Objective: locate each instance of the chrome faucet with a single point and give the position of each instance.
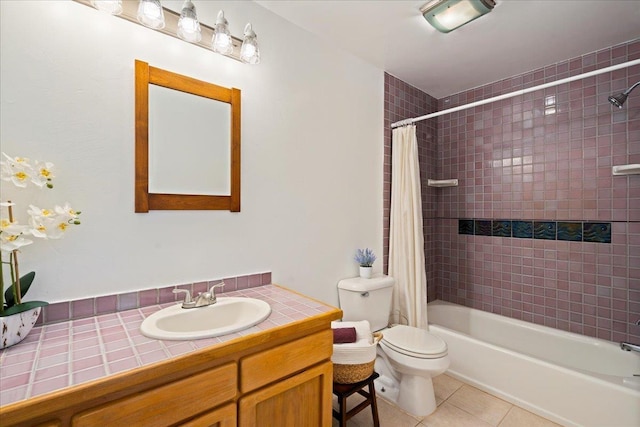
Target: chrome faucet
(207, 298)
(630, 347)
(202, 300)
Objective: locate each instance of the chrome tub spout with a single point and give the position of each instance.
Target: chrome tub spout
(630, 347)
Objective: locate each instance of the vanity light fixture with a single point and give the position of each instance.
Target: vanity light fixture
(188, 25)
(114, 7)
(249, 52)
(151, 14)
(221, 40)
(447, 15)
(185, 26)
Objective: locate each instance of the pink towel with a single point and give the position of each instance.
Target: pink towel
(344, 335)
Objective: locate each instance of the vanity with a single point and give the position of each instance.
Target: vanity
(279, 375)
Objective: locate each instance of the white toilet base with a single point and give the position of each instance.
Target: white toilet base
(412, 393)
(387, 388)
(416, 395)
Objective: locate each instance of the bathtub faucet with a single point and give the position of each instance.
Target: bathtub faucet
(629, 347)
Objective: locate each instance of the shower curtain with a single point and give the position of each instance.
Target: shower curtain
(406, 239)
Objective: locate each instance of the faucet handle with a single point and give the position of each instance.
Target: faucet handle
(188, 302)
(212, 290)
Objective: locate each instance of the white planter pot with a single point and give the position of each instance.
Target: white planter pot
(16, 327)
(365, 272)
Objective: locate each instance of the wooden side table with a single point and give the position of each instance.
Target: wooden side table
(343, 391)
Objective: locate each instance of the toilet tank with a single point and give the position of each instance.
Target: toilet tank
(366, 299)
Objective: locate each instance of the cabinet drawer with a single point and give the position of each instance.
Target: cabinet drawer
(167, 404)
(270, 365)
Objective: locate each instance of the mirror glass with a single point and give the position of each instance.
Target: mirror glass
(189, 150)
(187, 143)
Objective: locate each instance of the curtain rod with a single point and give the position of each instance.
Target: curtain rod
(516, 93)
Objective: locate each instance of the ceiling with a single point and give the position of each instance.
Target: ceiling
(515, 37)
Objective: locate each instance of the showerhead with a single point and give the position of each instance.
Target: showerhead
(620, 98)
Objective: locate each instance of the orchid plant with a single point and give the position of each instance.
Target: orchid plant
(42, 224)
(365, 257)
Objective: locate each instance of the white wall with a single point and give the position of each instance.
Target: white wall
(312, 119)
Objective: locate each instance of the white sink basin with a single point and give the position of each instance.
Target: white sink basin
(228, 315)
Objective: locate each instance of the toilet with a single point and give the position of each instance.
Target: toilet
(407, 357)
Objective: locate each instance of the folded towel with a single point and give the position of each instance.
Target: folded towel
(344, 335)
(363, 329)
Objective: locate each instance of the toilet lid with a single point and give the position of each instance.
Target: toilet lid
(414, 342)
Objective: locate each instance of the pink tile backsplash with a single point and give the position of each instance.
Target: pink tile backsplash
(89, 307)
(514, 162)
(60, 355)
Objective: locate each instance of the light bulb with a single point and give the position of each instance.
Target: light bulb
(188, 25)
(150, 14)
(221, 42)
(114, 7)
(249, 52)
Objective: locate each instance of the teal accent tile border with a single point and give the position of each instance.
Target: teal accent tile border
(465, 226)
(545, 230)
(598, 232)
(570, 231)
(501, 228)
(482, 227)
(522, 229)
(573, 231)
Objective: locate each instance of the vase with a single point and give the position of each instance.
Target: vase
(17, 326)
(365, 272)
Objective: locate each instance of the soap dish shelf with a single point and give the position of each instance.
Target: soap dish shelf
(633, 169)
(442, 182)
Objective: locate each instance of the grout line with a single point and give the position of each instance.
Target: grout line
(505, 415)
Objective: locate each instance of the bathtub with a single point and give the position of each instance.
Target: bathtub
(568, 378)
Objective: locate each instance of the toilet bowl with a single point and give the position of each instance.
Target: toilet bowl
(407, 357)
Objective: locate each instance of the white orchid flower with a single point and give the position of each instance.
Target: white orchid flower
(11, 235)
(17, 170)
(60, 225)
(11, 227)
(52, 227)
(68, 213)
(36, 212)
(42, 222)
(43, 175)
(11, 242)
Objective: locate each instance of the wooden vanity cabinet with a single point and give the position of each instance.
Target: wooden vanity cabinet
(279, 377)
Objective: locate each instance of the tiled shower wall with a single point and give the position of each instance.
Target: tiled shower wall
(404, 101)
(514, 162)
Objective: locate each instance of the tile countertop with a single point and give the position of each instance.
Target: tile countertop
(66, 354)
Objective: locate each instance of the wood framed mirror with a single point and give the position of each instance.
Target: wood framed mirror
(187, 153)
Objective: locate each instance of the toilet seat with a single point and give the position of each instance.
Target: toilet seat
(414, 342)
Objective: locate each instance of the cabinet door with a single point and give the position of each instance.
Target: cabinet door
(302, 400)
(221, 417)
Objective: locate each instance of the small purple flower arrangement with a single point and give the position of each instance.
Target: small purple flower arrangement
(365, 257)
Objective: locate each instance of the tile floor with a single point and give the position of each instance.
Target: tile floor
(459, 405)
